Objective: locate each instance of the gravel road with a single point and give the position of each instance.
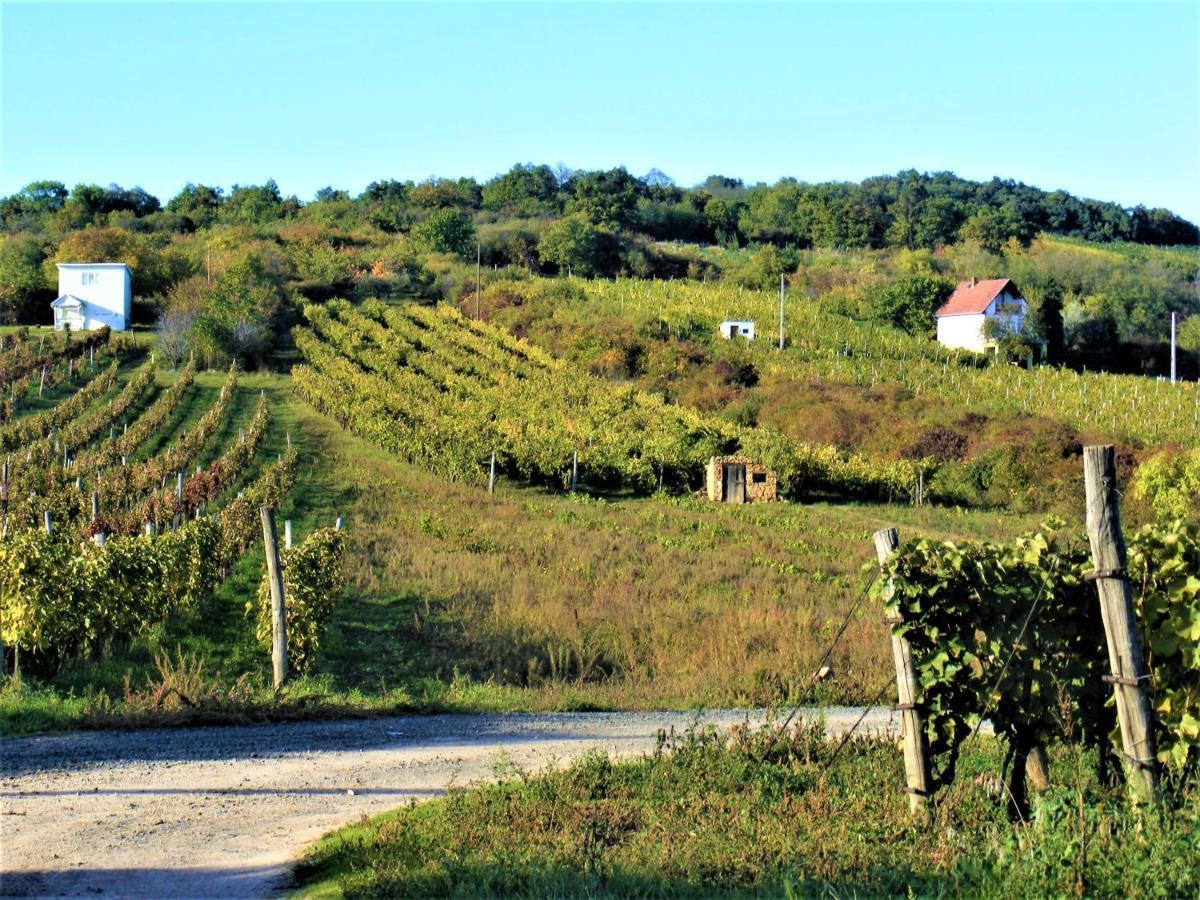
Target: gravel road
(205, 812)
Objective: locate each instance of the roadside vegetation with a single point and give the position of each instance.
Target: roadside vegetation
(751, 815)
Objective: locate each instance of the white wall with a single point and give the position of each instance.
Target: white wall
(963, 332)
(106, 291)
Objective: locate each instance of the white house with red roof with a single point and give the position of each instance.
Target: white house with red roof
(961, 320)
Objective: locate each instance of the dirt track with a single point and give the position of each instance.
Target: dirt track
(224, 811)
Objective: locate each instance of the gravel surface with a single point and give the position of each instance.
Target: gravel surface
(206, 812)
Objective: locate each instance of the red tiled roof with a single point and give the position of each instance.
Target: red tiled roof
(974, 297)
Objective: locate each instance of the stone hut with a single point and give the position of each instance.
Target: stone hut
(739, 479)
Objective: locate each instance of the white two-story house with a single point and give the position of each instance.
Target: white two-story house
(92, 295)
(961, 319)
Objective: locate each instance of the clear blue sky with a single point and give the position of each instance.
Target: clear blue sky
(1100, 99)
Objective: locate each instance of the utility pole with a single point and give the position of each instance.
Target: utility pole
(478, 259)
(781, 285)
(1173, 348)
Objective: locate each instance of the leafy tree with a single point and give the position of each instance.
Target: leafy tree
(772, 215)
(1046, 316)
(993, 228)
(575, 244)
(721, 217)
(446, 193)
(32, 204)
(21, 279)
(255, 204)
(446, 231)
(526, 188)
(607, 198)
(199, 204)
(1187, 333)
(910, 301)
(762, 270)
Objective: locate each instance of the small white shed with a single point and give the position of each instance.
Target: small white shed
(730, 329)
(93, 295)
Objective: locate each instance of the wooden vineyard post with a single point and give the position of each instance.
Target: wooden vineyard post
(1128, 669)
(492, 474)
(916, 755)
(279, 661)
(287, 534)
(574, 470)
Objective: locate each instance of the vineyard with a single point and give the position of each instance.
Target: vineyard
(446, 392)
(822, 344)
(111, 524)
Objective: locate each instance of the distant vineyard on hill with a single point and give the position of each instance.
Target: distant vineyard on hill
(825, 345)
(446, 392)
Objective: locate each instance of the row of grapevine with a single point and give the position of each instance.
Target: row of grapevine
(59, 595)
(446, 393)
(1012, 632)
(130, 496)
(35, 427)
(78, 432)
(21, 364)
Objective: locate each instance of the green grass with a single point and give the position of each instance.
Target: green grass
(732, 817)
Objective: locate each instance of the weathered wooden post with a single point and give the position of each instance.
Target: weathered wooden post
(46, 522)
(42, 383)
(95, 505)
(149, 529)
(99, 538)
(1128, 669)
(492, 474)
(338, 525)
(574, 471)
(916, 755)
(279, 661)
(287, 534)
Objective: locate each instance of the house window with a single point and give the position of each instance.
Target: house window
(758, 478)
(89, 277)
